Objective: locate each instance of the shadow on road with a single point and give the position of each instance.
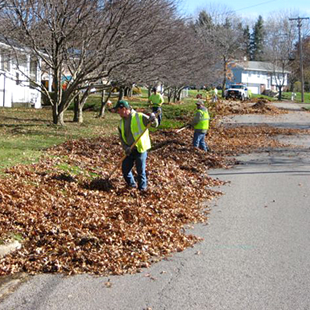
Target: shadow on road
(271, 124)
(291, 172)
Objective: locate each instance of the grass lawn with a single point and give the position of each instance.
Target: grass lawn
(25, 133)
(287, 96)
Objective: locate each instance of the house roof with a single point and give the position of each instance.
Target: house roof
(10, 42)
(259, 66)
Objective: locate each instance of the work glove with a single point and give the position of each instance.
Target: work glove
(128, 151)
(152, 117)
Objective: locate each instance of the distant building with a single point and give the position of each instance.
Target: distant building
(259, 76)
(17, 69)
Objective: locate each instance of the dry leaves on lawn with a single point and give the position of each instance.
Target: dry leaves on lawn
(69, 228)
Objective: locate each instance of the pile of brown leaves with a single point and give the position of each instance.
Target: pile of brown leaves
(229, 141)
(260, 106)
(68, 227)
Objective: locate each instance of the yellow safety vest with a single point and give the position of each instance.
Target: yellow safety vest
(137, 127)
(204, 122)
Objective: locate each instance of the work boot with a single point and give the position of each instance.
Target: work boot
(144, 191)
(131, 186)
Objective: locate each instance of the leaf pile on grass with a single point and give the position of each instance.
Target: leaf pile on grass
(260, 106)
(68, 228)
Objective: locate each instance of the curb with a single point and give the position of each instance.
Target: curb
(9, 283)
(9, 247)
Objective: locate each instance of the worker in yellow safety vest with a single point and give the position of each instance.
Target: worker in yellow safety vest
(131, 125)
(156, 100)
(201, 126)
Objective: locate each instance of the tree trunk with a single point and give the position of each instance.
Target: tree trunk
(104, 102)
(79, 103)
(174, 94)
(60, 119)
(129, 92)
(280, 93)
(169, 93)
(224, 78)
(121, 93)
(78, 110)
(179, 93)
(55, 113)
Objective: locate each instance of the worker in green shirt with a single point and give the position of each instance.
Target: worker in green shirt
(155, 101)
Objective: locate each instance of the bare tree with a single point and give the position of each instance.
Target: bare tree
(306, 62)
(85, 39)
(280, 38)
(171, 65)
(191, 64)
(295, 75)
(220, 28)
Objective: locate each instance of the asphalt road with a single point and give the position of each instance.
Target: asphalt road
(255, 252)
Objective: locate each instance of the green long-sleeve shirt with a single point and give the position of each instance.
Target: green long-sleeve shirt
(156, 99)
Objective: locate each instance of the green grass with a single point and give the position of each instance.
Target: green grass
(264, 97)
(11, 237)
(174, 115)
(26, 133)
(287, 96)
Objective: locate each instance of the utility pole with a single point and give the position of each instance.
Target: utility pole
(299, 24)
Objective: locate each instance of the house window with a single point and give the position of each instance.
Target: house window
(5, 60)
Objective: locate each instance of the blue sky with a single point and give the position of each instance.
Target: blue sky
(249, 9)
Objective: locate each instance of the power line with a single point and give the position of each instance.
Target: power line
(299, 25)
(253, 6)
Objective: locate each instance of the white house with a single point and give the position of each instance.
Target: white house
(259, 75)
(17, 71)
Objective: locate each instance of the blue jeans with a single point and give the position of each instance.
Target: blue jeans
(159, 116)
(199, 140)
(140, 160)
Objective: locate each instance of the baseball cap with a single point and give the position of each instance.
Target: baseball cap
(121, 104)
